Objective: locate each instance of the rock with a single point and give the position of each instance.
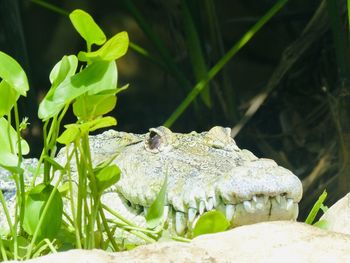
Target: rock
(280, 241)
(338, 216)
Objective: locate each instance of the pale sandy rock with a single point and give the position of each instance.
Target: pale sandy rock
(338, 216)
(280, 241)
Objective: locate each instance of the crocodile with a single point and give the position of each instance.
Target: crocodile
(205, 171)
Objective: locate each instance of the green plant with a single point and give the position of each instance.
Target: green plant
(91, 90)
(314, 211)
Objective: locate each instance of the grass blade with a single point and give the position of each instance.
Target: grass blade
(222, 62)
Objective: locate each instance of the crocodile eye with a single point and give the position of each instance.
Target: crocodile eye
(159, 139)
(154, 140)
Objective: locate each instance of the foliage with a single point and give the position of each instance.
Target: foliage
(211, 222)
(91, 91)
(315, 209)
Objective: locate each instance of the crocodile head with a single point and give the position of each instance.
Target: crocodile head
(205, 171)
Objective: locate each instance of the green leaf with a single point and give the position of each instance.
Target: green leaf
(95, 78)
(323, 224)
(154, 216)
(8, 159)
(211, 222)
(66, 67)
(87, 27)
(8, 137)
(34, 206)
(92, 106)
(113, 49)
(70, 134)
(317, 206)
(73, 131)
(53, 163)
(8, 98)
(98, 124)
(13, 74)
(107, 177)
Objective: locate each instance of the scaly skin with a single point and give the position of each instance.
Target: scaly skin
(205, 171)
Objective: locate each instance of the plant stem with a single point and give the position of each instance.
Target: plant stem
(77, 227)
(8, 218)
(51, 7)
(106, 227)
(21, 177)
(86, 158)
(3, 251)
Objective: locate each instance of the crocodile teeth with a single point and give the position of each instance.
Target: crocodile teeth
(283, 202)
(289, 203)
(295, 211)
(248, 206)
(278, 199)
(255, 199)
(180, 223)
(258, 202)
(165, 213)
(266, 199)
(210, 204)
(230, 211)
(201, 207)
(191, 214)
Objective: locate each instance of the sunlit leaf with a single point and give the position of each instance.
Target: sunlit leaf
(323, 224)
(95, 78)
(8, 98)
(69, 135)
(66, 67)
(113, 49)
(13, 74)
(107, 177)
(8, 159)
(8, 137)
(96, 124)
(53, 163)
(154, 215)
(211, 222)
(317, 206)
(91, 106)
(87, 27)
(34, 206)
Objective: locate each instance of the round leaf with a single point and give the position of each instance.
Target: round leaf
(95, 78)
(8, 157)
(211, 222)
(87, 27)
(113, 49)
(91, 106)
(107, 177)
(66, 67)
(34, 206)
(13, 74)
(8, 98)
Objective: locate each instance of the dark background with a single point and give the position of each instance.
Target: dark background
(298, 62)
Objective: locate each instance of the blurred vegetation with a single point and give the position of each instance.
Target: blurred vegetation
(285, 92)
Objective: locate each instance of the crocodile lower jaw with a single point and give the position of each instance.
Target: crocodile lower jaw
(259, 208)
